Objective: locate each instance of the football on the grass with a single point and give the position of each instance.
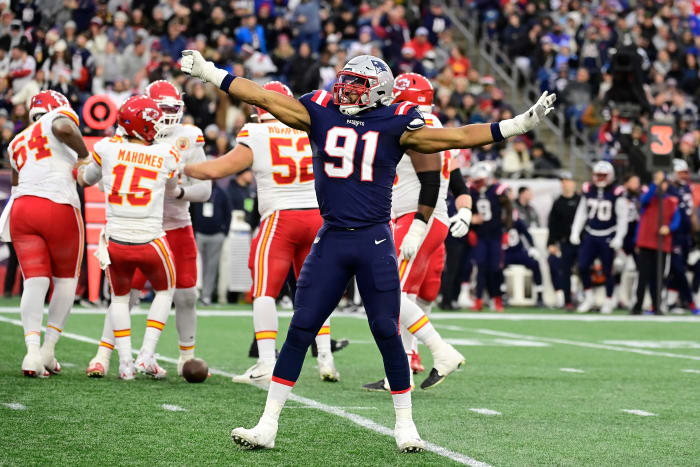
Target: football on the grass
(195, 370)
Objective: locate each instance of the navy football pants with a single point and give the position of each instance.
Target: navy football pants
(488, 255)
(560, 268)
(522, 258)
(592, 248)
(677, 279)
(369, 254)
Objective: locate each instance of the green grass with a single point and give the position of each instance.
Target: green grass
(548, 417)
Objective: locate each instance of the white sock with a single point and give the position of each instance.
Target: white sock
(408, 341)
(104, 350)
(32, 310)
(419, 325)
(424, 305)
(156, 319)
(59, 308)
(276, 397)
(323, 339)
(120, 318)
(266, 326)
(186, 319)
(402, 406)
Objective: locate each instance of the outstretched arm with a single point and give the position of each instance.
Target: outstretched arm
(230, 163)
(68, 133)
(430, 140)
(286, 109)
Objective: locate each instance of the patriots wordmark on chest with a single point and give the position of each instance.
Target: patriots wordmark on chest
(355, 122)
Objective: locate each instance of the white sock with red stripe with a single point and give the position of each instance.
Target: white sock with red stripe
(31, 309)
(266, 326)
(156, 319)
(186, 319)
(323, 339)
(59, 308)
(276, 397)
(419, 325)
(120, 318)
(104, 350)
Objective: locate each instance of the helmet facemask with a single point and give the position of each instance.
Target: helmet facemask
(172, 113)
(351, 92)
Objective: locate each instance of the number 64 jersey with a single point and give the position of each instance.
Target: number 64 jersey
(134, 177)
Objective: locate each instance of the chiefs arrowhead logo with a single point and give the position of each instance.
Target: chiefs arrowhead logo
(150, 115)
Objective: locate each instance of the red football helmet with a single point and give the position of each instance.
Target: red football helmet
(168, 99)
(44, 102)
(276, 86)
(141, 118)
(413, 88)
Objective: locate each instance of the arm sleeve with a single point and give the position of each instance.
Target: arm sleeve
(580, 217)
(198, 192)
(457, 185)
(675, 220)
(648, 195)
(92, 173)
(621, 213)
(525, 233)
(429, 187)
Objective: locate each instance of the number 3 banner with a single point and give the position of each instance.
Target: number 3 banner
(660, 145)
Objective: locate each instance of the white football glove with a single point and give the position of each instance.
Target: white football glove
(616, 243)
(533, 253)
(574, 239)
(414, 236)
(460, 222)
(529, 120)
(193, 64)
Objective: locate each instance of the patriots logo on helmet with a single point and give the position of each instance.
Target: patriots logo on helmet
(379, 66)
(150, 115)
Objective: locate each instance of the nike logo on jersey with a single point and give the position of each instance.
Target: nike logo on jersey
(377, 242)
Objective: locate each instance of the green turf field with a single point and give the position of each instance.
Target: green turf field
(535, 413)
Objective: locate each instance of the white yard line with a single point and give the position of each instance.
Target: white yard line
(357, 419)
(486, 411)
(434, 316)
(691, 371)
(14, 406)
(571, 370)
(641, 413)
(173, 408)
(590, 345)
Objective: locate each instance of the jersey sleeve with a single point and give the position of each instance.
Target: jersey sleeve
(173, 161)
(98, 151)
(65, 112)
(244, 136)
(414, 118)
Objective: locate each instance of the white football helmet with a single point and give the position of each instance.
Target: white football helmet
(681, 171)
(603, 174)
(479, 175)
(365, 82)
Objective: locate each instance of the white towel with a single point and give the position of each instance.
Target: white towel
(102, 253)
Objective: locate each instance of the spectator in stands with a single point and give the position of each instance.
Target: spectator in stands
(250, 33)
(516, 158)
(22, 65)
(526, 213)
(173, 43)
(562, 254)
(120, 34)
(544, 163)
(420, 43)
(303, 72)
(199, 105)
(211, 221)
(577, 96)
(307, 20)
(458, 63)
(436, 21)
(259, 65)
(362, 46)
(648, 235)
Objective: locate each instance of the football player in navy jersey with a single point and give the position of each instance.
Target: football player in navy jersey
(494, 217)
(521, 250)
(603, 212)
(357, 137)
(682, 237)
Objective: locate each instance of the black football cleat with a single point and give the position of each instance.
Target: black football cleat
(336, 345)
(433, 379)
(380, 386)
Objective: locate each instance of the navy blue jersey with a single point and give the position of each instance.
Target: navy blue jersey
(488, 204)
(516, 234)
(685, 206)
(600, 207)
(355, 158)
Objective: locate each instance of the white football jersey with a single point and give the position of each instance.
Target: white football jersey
(134, 176)
(282, 166)
(407, 186)
(189, 141)
(43, 162)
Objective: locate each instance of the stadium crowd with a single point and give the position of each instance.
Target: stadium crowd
(83, 48)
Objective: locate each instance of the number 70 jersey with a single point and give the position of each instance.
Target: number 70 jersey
(282, 166)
